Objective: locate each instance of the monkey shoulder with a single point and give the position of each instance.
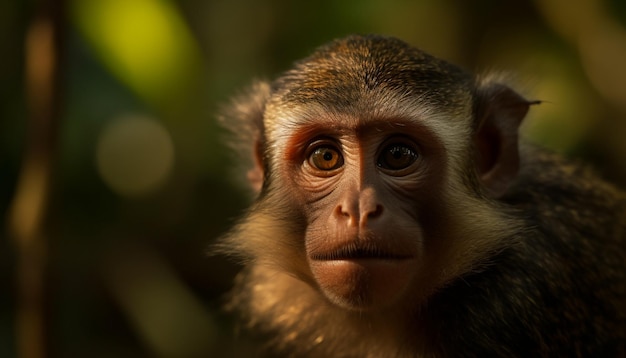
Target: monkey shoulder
(560, 287)
(566, 198)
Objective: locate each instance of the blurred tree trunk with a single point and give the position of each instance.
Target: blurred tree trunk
(29, 209)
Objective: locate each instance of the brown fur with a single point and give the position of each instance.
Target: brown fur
(523, 253)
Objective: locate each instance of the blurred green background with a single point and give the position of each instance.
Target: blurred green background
(114, 181)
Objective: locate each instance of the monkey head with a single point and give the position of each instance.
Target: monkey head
(377, 168)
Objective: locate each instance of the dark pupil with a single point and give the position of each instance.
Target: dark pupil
(397, 157)
(397, 153)
(328, 156)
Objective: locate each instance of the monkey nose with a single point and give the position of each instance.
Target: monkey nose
(360, 209)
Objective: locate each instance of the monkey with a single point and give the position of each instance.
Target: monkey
(398, 213)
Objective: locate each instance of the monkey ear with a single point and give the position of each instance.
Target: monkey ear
(243, 119)
(499, 113)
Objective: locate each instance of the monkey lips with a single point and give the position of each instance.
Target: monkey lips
(362, 274)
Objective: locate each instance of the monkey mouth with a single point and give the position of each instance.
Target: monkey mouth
(363, 270)
(360, 251)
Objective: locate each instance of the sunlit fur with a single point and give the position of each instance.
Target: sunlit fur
(494, 258)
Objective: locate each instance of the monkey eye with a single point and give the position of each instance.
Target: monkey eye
(325, 158)
(397, 156)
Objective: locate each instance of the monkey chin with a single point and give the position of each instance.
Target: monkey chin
(364, 284)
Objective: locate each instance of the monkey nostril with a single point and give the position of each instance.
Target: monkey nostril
(378, 211)
(374, 213)
(340, 211)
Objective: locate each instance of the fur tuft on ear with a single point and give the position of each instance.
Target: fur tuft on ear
(243, 118)
(499, 111)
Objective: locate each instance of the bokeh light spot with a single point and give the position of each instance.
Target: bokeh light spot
(134, 155)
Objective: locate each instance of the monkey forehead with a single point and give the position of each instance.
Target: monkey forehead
(365, 112)
(344, 71)
(372, 108)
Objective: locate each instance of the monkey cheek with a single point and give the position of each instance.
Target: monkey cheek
(363, 284)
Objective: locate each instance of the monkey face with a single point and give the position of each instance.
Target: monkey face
(364, 187)
(365, 164)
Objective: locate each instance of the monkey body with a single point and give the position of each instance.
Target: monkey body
(397, 216)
